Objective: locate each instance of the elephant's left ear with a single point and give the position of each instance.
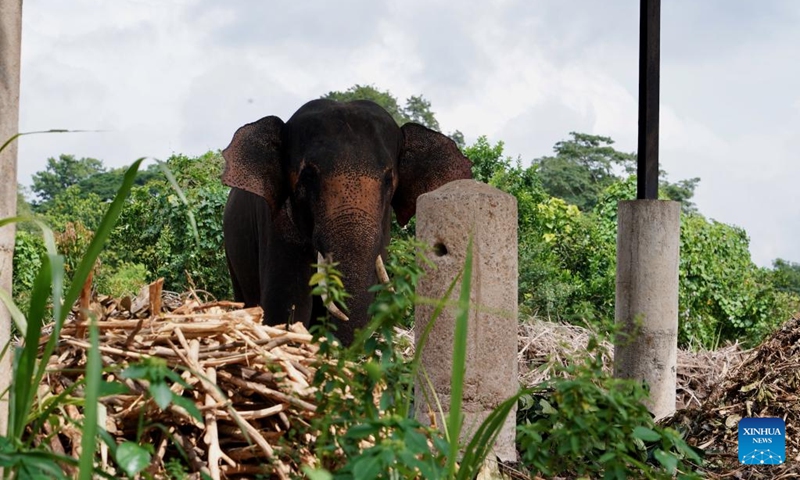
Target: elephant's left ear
(253, 161)
(427, 161)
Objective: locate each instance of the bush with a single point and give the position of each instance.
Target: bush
(176, 239)
(591, 424)
(28, 251)
(127, 279)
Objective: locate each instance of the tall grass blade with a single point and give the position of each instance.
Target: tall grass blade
(87, 263)
(417, 360)
(93, 375)
(25, 365)
(455, 416)
(484, 437)
(179, 191)
(16, 314)
(16, 136)
(47, 233)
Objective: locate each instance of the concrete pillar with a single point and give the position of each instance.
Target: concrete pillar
(10, 38)
(445, 219)
(648, 244)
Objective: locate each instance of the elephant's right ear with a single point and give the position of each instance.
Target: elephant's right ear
(253, 161)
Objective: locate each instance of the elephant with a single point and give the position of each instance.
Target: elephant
(323, 185)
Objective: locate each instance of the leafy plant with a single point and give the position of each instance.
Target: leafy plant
(176, 233)
(126, 280)
(592, 424)
(364, 394)
(21, 456)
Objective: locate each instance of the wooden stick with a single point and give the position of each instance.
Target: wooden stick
(211, 438)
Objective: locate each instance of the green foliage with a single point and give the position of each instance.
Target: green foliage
(20, 453)
(486, 159)
(156, 228)
(72, 205)
(682, 191)
(582, 167)
(723, 294)
(786, 276)
(158, 377)
(348, 381)
(105, 184)
(28, 251)
(417, 108)
(127, 279)
(72, 242)
(568, 254)
(62, 173)
(593, 425)
(24, 208)
(368, 92)
(365, 391)
(586, 165)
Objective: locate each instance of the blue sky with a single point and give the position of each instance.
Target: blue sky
(162, 77)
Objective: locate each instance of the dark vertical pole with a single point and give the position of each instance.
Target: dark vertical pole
(649, 60)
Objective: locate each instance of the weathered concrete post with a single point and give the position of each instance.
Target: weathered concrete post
(10, 38)
(445, 219)
(648, 244)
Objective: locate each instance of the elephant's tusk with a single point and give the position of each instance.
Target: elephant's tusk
(329, 304)
(383, 276)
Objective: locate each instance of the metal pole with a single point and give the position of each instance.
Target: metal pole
(649, 61)
(10, 39)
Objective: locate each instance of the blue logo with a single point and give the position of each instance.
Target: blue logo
(762, 441)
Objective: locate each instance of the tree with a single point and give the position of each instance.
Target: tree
(418, 110)
(75, 205)
(786, 275)
(585, 165)
(369, 92)
(682, 191)
(62, 173)
(582, 168)
(24, 208)
(105, 184)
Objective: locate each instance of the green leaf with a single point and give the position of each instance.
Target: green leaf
(455, 416)
(16, 314)
(94, 371)
(646, 434)
(113, 388)
(137, 371)
(132, 458)
(547, 409)
(161, 394)
(317, 473)
(669, 461)
(361, 431)
(189, 406)
(366, 467)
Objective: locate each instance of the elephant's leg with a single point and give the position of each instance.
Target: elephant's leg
(287, 296)
(245, 224)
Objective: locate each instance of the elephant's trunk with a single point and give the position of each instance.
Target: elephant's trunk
(355, 245)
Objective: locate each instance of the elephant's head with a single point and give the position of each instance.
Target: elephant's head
(336, 171)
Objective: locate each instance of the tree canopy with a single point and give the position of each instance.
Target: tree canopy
(585, 165)
(417, 108)
(61, 173)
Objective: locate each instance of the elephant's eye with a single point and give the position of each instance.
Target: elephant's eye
(309, 179)
(388, 179)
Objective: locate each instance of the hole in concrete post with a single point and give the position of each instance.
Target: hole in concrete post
(439, 249)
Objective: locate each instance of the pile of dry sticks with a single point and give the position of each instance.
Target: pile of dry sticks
(251, 382)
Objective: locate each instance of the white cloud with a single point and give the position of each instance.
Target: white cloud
(181, 76)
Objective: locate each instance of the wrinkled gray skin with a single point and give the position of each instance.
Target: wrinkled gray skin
(325, 181)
